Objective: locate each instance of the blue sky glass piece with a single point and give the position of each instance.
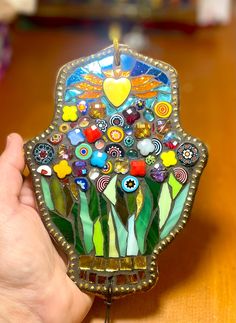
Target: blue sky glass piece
(106, 63)
(164, 97)
(127, 62)
(71, 95)
(139, 68)
(76, 76)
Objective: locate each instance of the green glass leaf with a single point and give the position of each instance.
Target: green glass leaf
(121, 233)
(58, 196)
(104, 224)
(93, 203)
(98, 239)
(78, 229)
(176, 212)
(87, 223)
(121, 207)
(143, 220)
(110, 190)
(164, 203)
(152, 238)
(47, 194)
(175, 185)
(64, 226)
(69, 200)
(131, 201)
(155, 189)
(132, 245)
(112, 238)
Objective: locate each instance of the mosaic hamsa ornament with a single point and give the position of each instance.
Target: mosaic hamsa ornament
(114, 174)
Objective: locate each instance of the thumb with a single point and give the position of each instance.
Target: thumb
(11, 165)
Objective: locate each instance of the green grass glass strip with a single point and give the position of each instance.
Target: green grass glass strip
(58, 196)
(122, 233)
(176, 212)
(164, 203)
(79, 247)
(93, 203)
(64, 226)
(175, 185)
(47, 194)
(98, 239)
(131, 201)
(104, 224)
(155, 189)
(110, 190)
(112, 238)
(143, 219)
(87, 224)
(69, 200)
(121, 207)
(153, 235)
(132, 245)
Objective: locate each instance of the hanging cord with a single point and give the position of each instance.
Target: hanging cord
(108, 301)
(115, 35)
(116, 51)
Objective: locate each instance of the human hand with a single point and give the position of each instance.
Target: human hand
(34, 286)
(10, 8)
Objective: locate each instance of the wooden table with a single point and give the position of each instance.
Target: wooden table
(198, 271)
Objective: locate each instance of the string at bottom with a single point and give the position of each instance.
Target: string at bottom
(108, 302)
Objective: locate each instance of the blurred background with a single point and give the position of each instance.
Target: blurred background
(197, 272)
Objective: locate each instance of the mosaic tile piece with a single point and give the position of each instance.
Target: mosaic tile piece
(132, 245)
(152, 235)
(98, 239)
(112, 238)
(79, 245)
(121, 206)
(58, 196)
(142, 221)
(175, 185)
(47, 194)
(87, 224)
(121, 232)
(164, 204)
(110, 190)
(176, 212)
(64, 226)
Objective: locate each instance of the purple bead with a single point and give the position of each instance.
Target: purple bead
(159, 173)
(79, 168)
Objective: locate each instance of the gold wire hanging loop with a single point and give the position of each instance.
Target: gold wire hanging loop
(115, 36)
(116, 51)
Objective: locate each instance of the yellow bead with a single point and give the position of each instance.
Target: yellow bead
(62, 169)
(163, 109)
(64, 127)
(115, 134)
(69, 113)
(169, 158)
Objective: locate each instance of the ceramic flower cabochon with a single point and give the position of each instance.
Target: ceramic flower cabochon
(114, 174)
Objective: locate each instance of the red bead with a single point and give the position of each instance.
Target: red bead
(138, 168)
(131, 115)
(92, 134)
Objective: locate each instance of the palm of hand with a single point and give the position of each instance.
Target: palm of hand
(32, 272)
